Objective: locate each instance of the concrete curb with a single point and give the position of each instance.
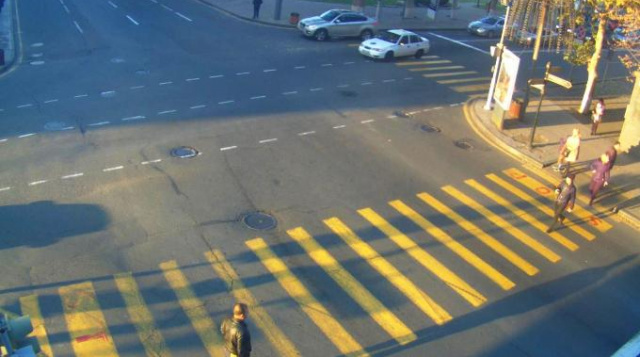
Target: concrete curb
(473, 120)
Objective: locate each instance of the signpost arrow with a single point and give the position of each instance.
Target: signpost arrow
(559, 81)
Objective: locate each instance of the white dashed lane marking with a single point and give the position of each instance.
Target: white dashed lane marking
(151, 162)
(228, 148)
(165, 83)
(102, 123)
(26, 135)
(388, 80)
(50, 101)
(198, 106)
(113, 5)
(299, 67)
(136, 87)
(137, 117)
(366, 121)
(315, 89)
(184, 17)
(339, 126)
(226, 102)
(243, 73)
(343, 86)
(78, 27)
(166, 7)
(290, 93)
(24, 106)
(216, 76)
(167, 112)
(192, 79)
(3, 140)
(79, 174)
(132, 20)
(306, 133)
(114, 168)
(348, 63)
(35, 183)
(269, 70)
(258, 97)
(268, 140)
(366, 83)
(326, 65)
(4, 189)
(81, 96)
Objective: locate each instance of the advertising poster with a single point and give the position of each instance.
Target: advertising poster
(506, 79)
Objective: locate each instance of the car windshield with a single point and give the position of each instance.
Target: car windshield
(489, 20)
(388, 36)
(329, 15)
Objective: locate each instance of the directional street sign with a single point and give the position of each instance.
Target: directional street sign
(559, 81)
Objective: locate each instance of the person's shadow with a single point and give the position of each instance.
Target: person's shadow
(42, 223)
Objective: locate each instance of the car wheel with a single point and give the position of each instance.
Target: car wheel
(388, 56)
(321, 35)
(419, 54)
(366, 34)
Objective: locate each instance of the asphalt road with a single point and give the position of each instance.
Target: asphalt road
(311, 133)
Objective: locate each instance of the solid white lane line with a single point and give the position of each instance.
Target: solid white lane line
(166, 7)
(193, 79)
(388, 80)
(299, 67)
(150, 162)
(112, 4)
(114, 168)
(167, 112)
(269, 70)
(216, 76)
(26, 135)
(306, 133)
(81, 96)
(136, 87)
(268, 140)
(34, 183)
(50, 101)
(184, 17)
(132, 20)
(227, 102)
(339, 126)
(79, 174)
(348, 63)
(198, 106)
(137, 117)
(24, 106)
(78, 27)
(228, 148)
(366, 121)
(343, 85)
(326, 65)
(315, 89)
(366, 83)
(459, 43)
(242, 73)
(165, 83)
(290, 93)
(258, 97)
(100, 123)
(5, 188)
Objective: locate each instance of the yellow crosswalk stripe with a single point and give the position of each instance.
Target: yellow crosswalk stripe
(472, 88)
(522, 214)
(448, 74)
(545, 191)
(421, 63)
(421, 299)
(194, 308)
(29, 306)
(378, 312)
(87, 326)
(476, 231)
(421, 256)
(260, 317)
(464, 80)
(453, 245)
(423, 69)
(502, 223)
(532, 201)
(331, 328)
(149, 335)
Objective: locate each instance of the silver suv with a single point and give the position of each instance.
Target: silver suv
(338, 23)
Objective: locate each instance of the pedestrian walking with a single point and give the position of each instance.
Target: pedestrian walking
(565, 199)
(612, 153)
(256, 8)
(599, 177)
(569, 151)
(596, 117)
(237, 340)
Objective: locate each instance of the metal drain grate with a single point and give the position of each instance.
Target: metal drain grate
(463, 144)
(429, 128)
(259, 221)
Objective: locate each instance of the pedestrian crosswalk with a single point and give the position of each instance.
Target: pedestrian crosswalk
(446, 72)
(465, 244)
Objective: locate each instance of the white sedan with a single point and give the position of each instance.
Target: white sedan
(394, 43)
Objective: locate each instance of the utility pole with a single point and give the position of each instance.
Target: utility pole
(536, 52)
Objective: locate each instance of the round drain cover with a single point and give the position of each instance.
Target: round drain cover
(463, 144)
(259, 221)
(184, 152)
(429, 128)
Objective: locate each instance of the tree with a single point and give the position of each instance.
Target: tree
(623, 12)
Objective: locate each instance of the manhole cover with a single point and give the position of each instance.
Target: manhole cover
(184, 152)
(348, 93)
(259, 221)
(429, 128)
(463, 144)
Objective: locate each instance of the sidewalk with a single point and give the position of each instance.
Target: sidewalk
(622, 196)
(390, 17)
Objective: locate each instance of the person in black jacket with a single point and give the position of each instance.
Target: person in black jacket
(237, 340)
(256, 8)
(565, 199)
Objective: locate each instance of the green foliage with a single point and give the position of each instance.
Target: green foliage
(580, 53)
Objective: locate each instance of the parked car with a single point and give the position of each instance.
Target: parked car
(394, 43)
(338, 23)
(489, 26)
(626, 37)
(529, 37)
